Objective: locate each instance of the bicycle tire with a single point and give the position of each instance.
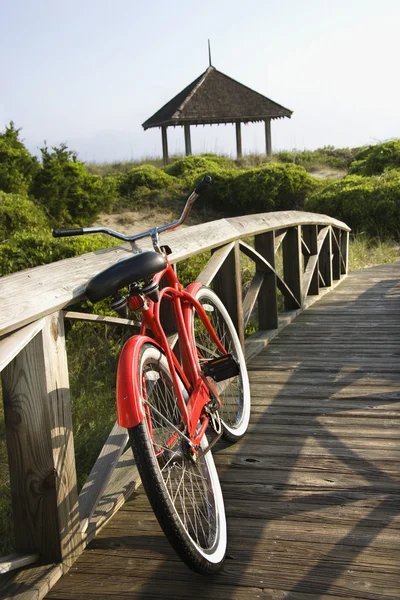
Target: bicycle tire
(234, 392)
(186, 496)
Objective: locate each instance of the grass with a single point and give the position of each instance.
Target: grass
(367, 252)
(311, 160)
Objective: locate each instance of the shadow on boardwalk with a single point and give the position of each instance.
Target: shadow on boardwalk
(312, 492)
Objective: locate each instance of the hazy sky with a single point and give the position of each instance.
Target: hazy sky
(90, 72)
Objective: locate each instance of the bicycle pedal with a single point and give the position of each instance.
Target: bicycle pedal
(221, 368)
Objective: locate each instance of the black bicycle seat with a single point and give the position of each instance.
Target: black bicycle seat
(130, 270)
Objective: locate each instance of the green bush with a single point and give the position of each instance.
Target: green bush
(20, 214)
(370, 204)
(272, 187)
(145, 176)
(67, 191)
(377, 159)
(32, 248)
(192, 167)
(145, 185)
(17, 166)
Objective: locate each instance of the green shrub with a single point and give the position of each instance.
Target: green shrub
(17, 166)
(370, 204)
(67, 191)
(144, 176)
(32, 248)
(145, 185)
(377, 159)
(236, 191)
(192, 167)
(271, 187)
(20, 214)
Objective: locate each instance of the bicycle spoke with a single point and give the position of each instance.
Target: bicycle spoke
(186, 480)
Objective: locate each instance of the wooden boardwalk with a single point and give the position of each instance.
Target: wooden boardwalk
(312, 493)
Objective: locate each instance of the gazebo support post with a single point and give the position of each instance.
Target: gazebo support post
(238, 140)
(164, 144)
(268, 145)
(188, 144)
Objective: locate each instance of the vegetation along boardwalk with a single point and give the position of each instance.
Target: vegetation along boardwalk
(312, 492)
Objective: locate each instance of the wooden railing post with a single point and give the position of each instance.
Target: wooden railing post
(292, 266)
(40, 447)
(336, 250)
(228, 285)
(325, 260)
(310, 236)
(344, 243)
(264, 243)
(62, 440)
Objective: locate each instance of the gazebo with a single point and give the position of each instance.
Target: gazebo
(215, 98)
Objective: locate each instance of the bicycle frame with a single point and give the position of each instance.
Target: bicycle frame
(129, 402)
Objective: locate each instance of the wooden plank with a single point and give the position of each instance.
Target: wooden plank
(215, 263)
(251, 296)
(292, 267)
(311, 282)
(91, 317)
(228, 286)
(16, 561)
(264, 244)
(33, 476)
(13, 344)
(325, 260)
(124, 480)
(52, 287)
(264, 265)
(100, 474)
(311, 495)
(30, 584)
(279, 237)
(62, 440)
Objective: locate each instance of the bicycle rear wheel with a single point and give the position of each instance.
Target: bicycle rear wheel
(185, 495)
(234, 392)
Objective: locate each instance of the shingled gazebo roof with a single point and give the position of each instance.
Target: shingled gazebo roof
(216, 98)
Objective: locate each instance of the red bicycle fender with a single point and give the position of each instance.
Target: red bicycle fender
(194, 287)
(129, 408)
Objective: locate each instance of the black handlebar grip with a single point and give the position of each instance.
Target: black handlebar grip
(203, 184)
(65, 232)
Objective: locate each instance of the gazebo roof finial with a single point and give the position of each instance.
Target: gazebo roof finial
(209, 53)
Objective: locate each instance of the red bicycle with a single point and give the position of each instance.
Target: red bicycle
(169, 398)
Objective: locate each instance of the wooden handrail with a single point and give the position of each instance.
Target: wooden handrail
(51, 520)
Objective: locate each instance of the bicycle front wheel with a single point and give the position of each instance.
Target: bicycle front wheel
(234, 392)
(185, 494)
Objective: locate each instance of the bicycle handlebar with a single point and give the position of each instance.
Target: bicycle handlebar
(153, 232)
(65, 232)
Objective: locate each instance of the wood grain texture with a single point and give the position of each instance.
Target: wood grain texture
(100, 474)
(32, 472)
(62, 440)
(312, 491)
(16, 561)
(52, 287)
(264, 244)
(13, 344)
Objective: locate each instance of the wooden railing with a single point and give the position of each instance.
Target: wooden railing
(298, 256)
